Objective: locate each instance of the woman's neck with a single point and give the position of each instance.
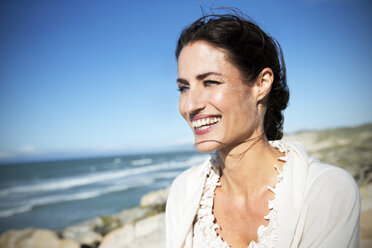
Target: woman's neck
(247, 169)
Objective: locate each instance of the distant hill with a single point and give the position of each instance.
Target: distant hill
(349, 148)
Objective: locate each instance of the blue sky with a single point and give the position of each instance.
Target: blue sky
(81, 78)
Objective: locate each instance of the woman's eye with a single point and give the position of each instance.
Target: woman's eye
(182, 88)
(210, 82)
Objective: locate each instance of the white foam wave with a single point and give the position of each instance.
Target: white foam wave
(69, 197)
(141, 161)
(13, 211)
(101, 177)
(166, 175)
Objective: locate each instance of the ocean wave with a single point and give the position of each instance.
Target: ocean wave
(107, 176)
(117, 161)
(141, 161)
(166, 175)
(46, 200)
(13, 211)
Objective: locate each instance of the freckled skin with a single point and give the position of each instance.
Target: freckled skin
(240, 203)
(238, 218)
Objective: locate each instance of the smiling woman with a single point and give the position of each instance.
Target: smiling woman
(217, 91)
(255, 190)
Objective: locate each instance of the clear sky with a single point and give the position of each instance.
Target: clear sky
(86, 77)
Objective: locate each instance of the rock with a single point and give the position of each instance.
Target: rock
(40, 238)
(10, 238)
(148, 225)
(119, 238)
(155, 198)
(35, 238)
(87, 225)
(82, 234)
(148, 232)
(155, 239)
(66, 243)
(109, 223)
(131, 215)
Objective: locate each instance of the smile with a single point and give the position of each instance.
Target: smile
(205, 123)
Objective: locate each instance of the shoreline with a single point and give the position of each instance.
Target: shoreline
(138, 227)
(141, 226)
(144, 226)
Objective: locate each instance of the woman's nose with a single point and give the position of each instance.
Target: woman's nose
(195, 101)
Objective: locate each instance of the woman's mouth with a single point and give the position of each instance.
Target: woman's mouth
(204, 125)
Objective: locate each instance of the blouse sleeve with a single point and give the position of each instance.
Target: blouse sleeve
(331, 213)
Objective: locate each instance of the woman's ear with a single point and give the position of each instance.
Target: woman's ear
(264, 82)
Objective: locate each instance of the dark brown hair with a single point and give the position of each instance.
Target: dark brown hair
(251, 50)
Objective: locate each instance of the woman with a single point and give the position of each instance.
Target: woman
(255, 190)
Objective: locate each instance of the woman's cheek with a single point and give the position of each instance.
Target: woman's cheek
(218, 97)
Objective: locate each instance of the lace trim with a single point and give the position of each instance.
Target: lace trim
(205, 234)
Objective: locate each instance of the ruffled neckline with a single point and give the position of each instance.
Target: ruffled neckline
(205, 234)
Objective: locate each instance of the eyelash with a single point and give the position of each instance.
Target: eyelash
(182, 88)
(209, 82)
(206, 83)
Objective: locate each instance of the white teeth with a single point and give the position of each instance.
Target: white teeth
(202, 124)
(198, 123)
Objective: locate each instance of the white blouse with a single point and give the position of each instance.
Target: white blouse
(205, 234)
(315, 205)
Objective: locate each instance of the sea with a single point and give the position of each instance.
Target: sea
(57, 194)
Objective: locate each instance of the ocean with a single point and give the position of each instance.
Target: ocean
(57, 194)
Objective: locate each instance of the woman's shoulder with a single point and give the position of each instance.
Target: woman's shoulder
(331, 179)
(309, 173)
(316, 171)
(330, 208)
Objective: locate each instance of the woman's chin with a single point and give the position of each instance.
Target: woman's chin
(206, 146)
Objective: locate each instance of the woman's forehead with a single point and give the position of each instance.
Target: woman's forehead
(200, 57)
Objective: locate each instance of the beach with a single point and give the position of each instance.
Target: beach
(140, 221)
(39, 194)
(139, 227)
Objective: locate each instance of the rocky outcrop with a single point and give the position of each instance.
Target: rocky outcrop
(35, 238)
(10, 238)
(84, 233)
(136, 227)
(91, 232)
(133, 214)
(155, 198)
(143, 227)
(148, 232)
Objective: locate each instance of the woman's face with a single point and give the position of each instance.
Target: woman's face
(215, 101)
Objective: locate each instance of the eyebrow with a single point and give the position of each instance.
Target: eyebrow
(182, 81)
(204, 75)
(198, 77)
